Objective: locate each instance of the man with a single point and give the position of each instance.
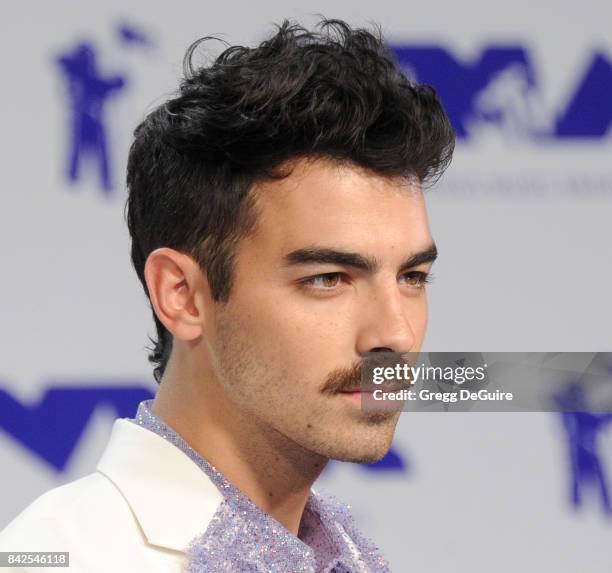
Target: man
(279, 230)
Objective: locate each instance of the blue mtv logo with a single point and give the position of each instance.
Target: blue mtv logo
(52, 428)
(501, 89)
(582, 432)
(88, 91)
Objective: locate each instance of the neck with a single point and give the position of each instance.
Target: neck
(272, 470)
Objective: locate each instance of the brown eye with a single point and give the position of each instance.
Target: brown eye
(417, 279)
(323, 283)
(328, 280)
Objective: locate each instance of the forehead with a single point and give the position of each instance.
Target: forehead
(340, 205)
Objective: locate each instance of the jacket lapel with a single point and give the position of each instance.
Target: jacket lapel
(172, 499)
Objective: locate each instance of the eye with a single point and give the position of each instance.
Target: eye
(326, 281)
(330, 281)
(418, 279)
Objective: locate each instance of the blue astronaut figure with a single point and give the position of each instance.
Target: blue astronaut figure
(87, 93)
(582, 429)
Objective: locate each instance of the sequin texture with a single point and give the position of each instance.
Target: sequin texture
(241, 538)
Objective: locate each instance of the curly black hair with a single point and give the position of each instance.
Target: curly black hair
(335, 92)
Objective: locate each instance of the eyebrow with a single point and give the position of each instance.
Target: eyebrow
(322, 255)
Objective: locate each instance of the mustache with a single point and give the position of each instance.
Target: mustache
(344, 379)
(350, 379)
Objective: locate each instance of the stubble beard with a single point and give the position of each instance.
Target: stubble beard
(254, 386)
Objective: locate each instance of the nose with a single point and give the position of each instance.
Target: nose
(388, 322)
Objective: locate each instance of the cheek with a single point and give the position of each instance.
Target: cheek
(420, 317)
(309, 333)
(299, 333)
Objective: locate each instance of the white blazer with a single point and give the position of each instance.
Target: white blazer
(133, 514)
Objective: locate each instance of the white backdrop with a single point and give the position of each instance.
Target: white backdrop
(523, 222)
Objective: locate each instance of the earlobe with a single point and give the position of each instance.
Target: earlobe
(173, 283)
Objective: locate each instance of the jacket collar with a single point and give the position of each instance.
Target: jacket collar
(172, 499)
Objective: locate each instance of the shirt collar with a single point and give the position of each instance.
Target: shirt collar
(185, 496)
(169, 496)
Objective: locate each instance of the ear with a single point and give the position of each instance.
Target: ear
(177, 289)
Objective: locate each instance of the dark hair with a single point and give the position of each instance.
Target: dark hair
(334, 93)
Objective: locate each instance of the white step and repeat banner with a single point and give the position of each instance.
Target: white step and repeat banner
(522, 220)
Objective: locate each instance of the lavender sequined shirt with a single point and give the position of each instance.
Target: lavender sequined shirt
(241, 538)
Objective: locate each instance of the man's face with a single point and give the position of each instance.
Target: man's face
(304, 306)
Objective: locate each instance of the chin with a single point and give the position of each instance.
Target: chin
(363, 456)
(368, 450)
(359, 443)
